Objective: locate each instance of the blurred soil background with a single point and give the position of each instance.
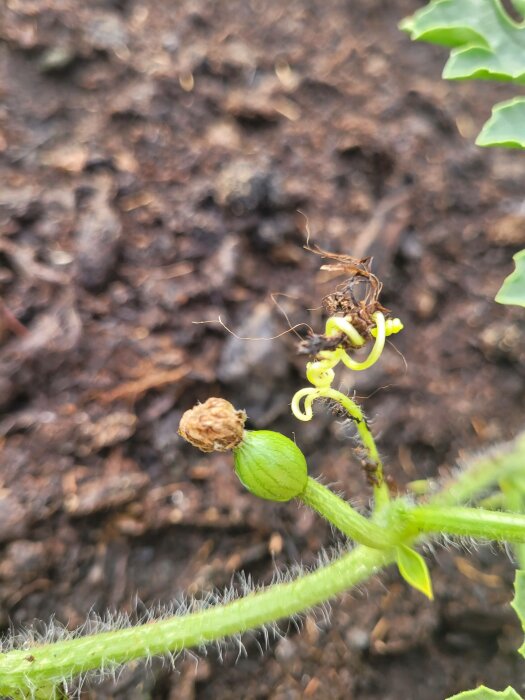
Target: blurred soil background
(154, 158)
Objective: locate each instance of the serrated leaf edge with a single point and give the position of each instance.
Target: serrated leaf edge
(507, 694)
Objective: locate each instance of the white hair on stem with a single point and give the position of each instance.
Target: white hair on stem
(242, 584)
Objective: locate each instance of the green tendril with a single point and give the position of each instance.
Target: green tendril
(320, 373)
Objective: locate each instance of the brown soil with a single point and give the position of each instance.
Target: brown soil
(154, 157)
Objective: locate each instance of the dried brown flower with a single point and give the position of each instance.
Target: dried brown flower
(213, 426)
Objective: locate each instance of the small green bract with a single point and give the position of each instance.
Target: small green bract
(270, 465)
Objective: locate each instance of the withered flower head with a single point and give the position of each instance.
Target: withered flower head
(213, 426)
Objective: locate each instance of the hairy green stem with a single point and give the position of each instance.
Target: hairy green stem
(344, 517)
(406, 521)
(513, 491)
(483, 473)
(52, 663)
(469, 522)
(381, 496)
(34, 671)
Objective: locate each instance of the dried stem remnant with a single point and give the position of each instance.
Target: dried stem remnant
(356, 299)
(213, 426)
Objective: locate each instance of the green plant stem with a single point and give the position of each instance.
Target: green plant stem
(381, 495)
(55, 662)
(470, 522)
(513, 491)
(344, 517)
(483, 473)
(24, 672)
(496, 501)
(407, 522)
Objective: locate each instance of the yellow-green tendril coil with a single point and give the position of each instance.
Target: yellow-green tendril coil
(320, 373)
(392, 326)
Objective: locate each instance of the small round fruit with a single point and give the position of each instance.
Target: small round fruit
(270, 465)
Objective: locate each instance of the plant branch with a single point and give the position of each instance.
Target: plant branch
(26, 673)
(469, 522)
(483, 473)
(344, 517)
(55, 663)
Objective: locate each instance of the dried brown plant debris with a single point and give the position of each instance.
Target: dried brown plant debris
(357, 299)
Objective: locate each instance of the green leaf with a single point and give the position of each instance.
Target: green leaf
(513, 288)
(414, 570)
(486, 44)
(506, 127)
(483, 693)
(519, 602)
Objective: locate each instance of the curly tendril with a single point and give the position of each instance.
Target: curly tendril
(320, 373)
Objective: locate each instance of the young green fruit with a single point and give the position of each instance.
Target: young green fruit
(270, 465)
